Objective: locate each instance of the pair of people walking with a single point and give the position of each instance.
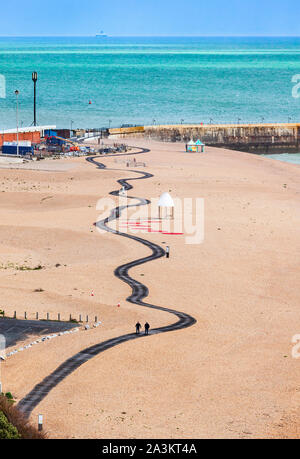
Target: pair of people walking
(138, 328)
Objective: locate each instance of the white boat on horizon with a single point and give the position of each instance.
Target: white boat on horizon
(101, 34)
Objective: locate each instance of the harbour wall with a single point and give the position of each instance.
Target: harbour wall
(252, 138)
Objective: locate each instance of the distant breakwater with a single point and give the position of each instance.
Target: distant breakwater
(252, 138)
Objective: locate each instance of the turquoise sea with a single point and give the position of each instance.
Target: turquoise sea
(138, 80)
(293, 158)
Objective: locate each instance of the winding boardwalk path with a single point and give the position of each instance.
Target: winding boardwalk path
(139, 292)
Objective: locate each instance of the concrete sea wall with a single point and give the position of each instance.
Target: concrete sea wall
(253, 138)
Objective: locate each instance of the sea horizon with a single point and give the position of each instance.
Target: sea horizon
(152, 36)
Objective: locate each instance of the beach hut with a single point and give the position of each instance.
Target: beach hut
(191, 146)
(165, 202)
(196, 147)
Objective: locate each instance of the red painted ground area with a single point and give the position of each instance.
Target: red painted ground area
(147, 226)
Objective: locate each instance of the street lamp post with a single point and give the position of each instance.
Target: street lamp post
(17, 118)
(71, 127)
(34, 79)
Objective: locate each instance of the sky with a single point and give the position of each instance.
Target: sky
(150, 17)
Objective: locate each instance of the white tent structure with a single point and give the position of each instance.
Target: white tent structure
(165, 202)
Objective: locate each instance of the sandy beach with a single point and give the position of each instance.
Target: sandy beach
(231, 375)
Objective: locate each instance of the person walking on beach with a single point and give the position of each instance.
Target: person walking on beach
(147, 326)
(137, 328)
(168, 251)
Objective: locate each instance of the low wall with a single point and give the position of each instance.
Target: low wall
(253, 138)
(121, 133)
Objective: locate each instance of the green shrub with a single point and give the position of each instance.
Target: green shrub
(15, 418)
(7, 430)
